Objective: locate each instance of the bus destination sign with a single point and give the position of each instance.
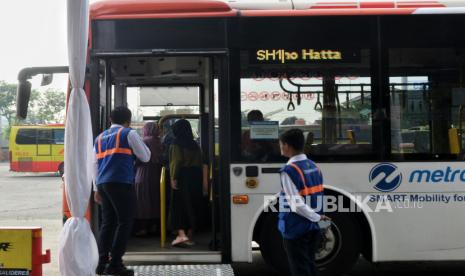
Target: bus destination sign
(283, 56)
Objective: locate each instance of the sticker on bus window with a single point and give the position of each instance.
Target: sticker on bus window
(264, 130)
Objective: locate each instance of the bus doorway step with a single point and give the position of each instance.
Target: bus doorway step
(183, 270)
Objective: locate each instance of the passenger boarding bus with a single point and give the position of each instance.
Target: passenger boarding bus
(377, 87)
(38, 148)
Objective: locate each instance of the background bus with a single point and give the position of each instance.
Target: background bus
(376, 98)
(37, 148)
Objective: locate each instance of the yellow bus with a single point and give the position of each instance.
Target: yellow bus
(37, 148)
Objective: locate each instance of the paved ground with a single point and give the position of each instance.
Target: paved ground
(32, 200)
(35, 200)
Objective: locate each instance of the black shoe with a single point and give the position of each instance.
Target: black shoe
(100, 269)
(120, 270)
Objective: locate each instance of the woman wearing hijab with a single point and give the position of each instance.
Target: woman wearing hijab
(185, 159)
(147, 183)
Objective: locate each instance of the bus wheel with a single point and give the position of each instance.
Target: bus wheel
(340, 245)
(337, 252)
(61, 168)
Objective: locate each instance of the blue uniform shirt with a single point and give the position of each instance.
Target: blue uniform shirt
(302, 182)
(114, 156)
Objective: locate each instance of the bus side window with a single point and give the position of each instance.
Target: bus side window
(26, 137)
(44, 136)
(58, 136)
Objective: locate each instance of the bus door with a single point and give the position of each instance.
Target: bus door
(44, 149)
(165, 89)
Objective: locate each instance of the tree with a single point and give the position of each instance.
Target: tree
(51, 107)
(8, 101)
(44, 107)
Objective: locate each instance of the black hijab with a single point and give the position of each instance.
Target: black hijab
(183, 135)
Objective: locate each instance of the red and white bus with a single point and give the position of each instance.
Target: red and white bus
(377, 86)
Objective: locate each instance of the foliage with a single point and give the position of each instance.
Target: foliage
(7, 101)
(50, 107)
(44, 107)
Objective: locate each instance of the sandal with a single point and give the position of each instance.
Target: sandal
(180, 242)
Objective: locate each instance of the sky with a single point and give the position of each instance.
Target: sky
(33, 33)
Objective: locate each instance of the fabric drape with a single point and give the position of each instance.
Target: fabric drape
(78, 254)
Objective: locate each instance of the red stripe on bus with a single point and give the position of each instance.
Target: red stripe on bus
(377, 5)
(127, 9)
(325, 12)
(420, 4)
(167, 15)
(35, 166)
(335, 5)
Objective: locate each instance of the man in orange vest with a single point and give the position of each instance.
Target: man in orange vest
(302, 189)
(116, 150)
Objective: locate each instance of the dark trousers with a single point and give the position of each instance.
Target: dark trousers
(301, 254)
(118, 206)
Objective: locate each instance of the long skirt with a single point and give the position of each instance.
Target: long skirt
(148, 191)
(186, 200)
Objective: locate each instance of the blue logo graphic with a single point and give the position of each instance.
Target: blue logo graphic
(385, 177)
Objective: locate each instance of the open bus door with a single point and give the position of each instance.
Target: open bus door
(152, 87)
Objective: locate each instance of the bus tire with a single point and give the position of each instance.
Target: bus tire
(61, 168)
(344, 242)
(344, 231)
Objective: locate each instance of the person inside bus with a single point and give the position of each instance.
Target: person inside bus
(301, 182)
(116, 150)
(167, 139)
(186, 174)
(147, 183)
(258, 150)
(252, 149)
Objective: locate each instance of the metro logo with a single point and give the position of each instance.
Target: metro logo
(386, 177)
(446, 175)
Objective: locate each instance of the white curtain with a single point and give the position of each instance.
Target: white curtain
(78, 254)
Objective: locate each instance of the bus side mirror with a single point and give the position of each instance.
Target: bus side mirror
(46, 79)
(22, 99)
(23, 94)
